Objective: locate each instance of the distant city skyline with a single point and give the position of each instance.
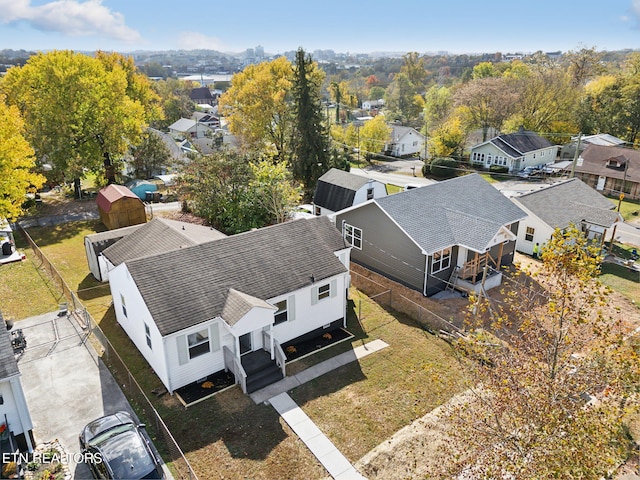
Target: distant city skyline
(343, 26)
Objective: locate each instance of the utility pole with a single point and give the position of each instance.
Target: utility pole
(484, 278)
(575, 156)
(620, 198)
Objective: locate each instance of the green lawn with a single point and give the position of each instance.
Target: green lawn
(391, 189)
(629, 210)
(622, 280)
(25, 290)
(64, 247)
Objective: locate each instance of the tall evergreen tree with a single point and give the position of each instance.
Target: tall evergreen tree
(311, 144)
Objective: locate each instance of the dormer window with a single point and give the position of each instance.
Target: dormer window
(616, 162)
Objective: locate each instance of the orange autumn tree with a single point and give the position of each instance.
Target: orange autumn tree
(551, 376)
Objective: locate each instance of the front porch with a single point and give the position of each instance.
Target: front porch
(481, 271)
(256, 369)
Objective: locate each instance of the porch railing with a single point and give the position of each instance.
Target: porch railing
(280, 357)
(232, 363)
(473, 268)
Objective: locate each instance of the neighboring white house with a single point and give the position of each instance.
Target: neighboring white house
(14, 412)
(559, 205)
(197, 310)
(337, 190)
(369, 105)
(189, 128)
(405, 141)
(515, 150)
(207, 119)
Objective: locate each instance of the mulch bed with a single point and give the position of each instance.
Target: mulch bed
(296, 349)
(206, 387)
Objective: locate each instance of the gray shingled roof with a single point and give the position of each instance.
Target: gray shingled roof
(595, 158)
(159, 236)
(336, 189)
(238, 304)
(8, 364)
(103, 240)
(518, 143)
(186, 287)
(567, 202)
(464, 211)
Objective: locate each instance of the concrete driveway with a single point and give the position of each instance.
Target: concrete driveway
(64, 386)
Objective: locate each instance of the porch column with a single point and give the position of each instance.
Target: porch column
(500, 250)
(476, 262)
(271, 342)
(23, 413)
(237, 352)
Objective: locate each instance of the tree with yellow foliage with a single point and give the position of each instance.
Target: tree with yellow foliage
(17, 162)
(552, 381)
(257, 107)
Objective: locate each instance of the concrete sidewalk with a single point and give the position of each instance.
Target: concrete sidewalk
(315, 371)
(317, 442)
(324, 450)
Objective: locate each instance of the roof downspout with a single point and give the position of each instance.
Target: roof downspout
(426, 270)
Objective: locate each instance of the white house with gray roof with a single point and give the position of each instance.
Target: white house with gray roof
(516, 151)
(337, 190)
(558, 206)
(218, 305)
(405, 142)
(438, 235)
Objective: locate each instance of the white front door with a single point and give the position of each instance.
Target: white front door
(601, 181)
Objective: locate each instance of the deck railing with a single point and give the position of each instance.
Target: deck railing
(232, 363)
(280, 357)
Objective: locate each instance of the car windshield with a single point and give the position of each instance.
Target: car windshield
(128, 456)
(107, 434)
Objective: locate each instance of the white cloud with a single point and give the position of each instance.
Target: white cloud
(195, 40)
(635, 9)
(69, 17)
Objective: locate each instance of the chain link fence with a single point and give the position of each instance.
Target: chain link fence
(101, 350)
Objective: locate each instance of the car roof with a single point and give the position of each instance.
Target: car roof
(127, 455)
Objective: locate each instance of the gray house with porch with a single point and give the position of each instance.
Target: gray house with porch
(431, 237)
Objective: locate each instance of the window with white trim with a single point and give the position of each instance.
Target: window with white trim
(124, 305)
(147, 334)
(198, 343)
(528, 235)
(324, 291)
(369, 193)
(441, 260)
(353, 236)
(281, 314)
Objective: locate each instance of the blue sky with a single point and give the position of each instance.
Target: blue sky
(462, 26)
